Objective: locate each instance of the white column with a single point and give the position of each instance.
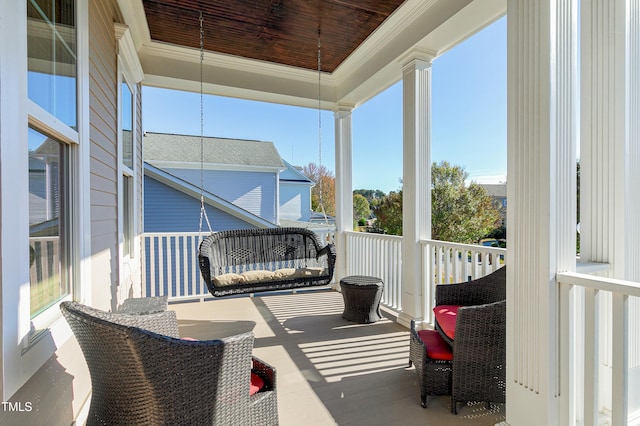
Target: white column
(610, 170)
(344, 185)
(416, 180)
(541, 187)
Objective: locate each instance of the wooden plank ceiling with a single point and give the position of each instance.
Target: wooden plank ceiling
(279, 31)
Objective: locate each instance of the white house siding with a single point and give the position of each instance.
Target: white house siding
(252, 191)
(104, 166)
(169, 210)
(295, 201)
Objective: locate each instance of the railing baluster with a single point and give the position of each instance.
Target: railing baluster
(613, 338)
(620, 359)
(591, 358)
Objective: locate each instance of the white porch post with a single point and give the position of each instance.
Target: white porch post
(416, 180)
(610, 176)
(344, 191)
(541, 188)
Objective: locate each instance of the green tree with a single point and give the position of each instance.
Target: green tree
(459, 212)
(388, 213)
(361, 209)
(324, 189)
(373, 196)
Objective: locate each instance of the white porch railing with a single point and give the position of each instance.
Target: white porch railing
(380, 256)
(600, 349)
(171, 264)
(171, 268)
(455, 263)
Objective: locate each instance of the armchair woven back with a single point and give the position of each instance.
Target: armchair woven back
(480, 354)
(488, 289)
(294, 250)
(479, 347)
(143, 374)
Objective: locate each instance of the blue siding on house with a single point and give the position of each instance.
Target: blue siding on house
(252, 191)
(295, 201)
(169, 210)
(291, 174)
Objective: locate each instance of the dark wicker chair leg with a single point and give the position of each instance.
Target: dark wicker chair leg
(454, 406)
(423, 400)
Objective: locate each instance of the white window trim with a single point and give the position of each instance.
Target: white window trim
(129, 72)
(21, 357)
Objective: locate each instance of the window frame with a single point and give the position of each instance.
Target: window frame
(130, 73)
(25, 351)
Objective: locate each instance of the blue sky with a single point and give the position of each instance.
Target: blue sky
(469, 119)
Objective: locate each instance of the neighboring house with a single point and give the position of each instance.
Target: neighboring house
(295, 194)
(243, 172)
(246, 184)
(172, 204)
(498, 192)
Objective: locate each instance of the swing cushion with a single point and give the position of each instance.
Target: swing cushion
(257, 276)
(310, 272)
(285, 273)
(229, 279)
(272, 259)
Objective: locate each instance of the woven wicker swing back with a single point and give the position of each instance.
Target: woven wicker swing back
(258, 260)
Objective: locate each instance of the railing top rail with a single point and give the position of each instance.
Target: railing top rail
(172, 234)
(372, 235)
(613, 285)
(460, 246)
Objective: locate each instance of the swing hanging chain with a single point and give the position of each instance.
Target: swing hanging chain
(203, 211)
(321, 184)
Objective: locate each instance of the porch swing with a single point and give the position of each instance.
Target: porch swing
(245, 261)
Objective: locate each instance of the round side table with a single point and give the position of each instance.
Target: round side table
(361, 295)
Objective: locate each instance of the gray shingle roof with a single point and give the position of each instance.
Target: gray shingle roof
(183, 148)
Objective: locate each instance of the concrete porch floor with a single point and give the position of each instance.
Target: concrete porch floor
(329, 371)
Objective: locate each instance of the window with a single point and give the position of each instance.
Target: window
(127, 215)
(51, 85)
(127, 159)
(48, 221)
(126, 111)
(51, 41)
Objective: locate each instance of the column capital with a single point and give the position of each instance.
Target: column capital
(417, 58)
(343, 109)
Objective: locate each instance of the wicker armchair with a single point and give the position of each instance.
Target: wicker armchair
(479, 354)
(479, 346)
(143, 305)
(142, 373)
(488, 289)
(434, 375)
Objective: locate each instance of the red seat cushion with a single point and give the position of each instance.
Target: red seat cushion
(437, 348)
(256, 383)
(446, 317)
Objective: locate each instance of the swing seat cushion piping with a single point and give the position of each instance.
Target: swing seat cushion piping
(255, 260)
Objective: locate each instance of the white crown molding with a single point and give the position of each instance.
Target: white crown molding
(127, 50)
(134, 17)
(220, 60)
(403, 17)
